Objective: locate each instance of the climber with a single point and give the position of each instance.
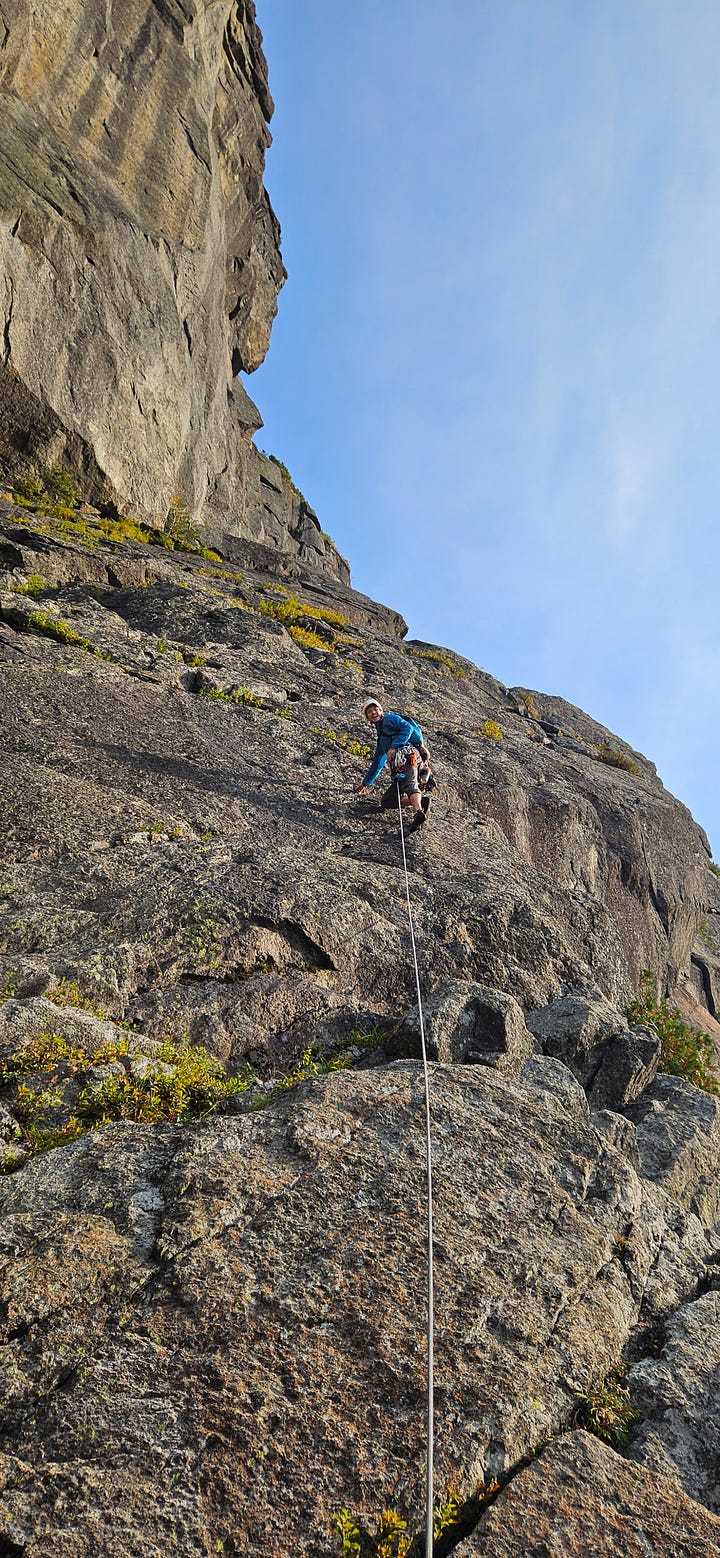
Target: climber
(399, 741)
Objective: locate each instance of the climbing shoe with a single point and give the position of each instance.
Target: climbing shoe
(432, 783)
(425, 803)
(418, 820)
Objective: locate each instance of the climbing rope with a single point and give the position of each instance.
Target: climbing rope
(429, 1507)
(430, 1419)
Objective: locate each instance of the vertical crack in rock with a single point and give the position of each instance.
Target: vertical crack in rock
(8, 321)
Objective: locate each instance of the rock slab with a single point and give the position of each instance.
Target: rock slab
(579, 1497)
(678, 1133)
(678, 1395)
(215, 1333)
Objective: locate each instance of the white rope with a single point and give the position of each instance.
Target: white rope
(429, 1507)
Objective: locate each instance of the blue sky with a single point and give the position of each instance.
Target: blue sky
(494, 371)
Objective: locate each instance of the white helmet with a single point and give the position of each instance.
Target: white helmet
(372, 703)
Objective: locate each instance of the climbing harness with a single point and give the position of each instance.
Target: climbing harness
(429, 1507)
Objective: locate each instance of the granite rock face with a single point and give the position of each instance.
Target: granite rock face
(185, 756)
(214, 1331)
(579, 1497)
(678, 1396)
(258, 516)
(138, 249)
(678, 1132)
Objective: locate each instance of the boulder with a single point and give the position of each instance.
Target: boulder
(628, 1064)
(556, 1083)
(575, 1029)
(678, 1134)
(469, 1024)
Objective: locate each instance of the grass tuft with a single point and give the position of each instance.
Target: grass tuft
(606, 1410)
(614, 757)
(242, 697)
(54, 627)
(344, 740)
(441, 661)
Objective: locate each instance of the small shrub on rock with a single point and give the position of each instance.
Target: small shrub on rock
(348, 1532)
(50, 1053)
(285, 610)
(446, 1513)
(491, 728)
(686, 1052)
(8, 986)
(442, 661)
(614, 757)
(54, 486)
(389, 1541)
(290, 610)
(67, 992)
(180, 525)
(307, 639)
(324, 614)
(284, 472)
(34, 585)
(390, 1538)
(177, 1084)
(345, 741)
(181, 1085)
(29, 489)
(242, 697)
(61, 488)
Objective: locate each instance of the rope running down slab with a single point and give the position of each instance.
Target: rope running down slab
(429, 1507)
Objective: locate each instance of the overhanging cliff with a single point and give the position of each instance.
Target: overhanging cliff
(139, 251)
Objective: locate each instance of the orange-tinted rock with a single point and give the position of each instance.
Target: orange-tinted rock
(581, 1500)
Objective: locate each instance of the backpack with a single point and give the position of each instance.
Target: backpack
(417, 733)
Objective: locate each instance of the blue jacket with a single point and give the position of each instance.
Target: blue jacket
(392, 731)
